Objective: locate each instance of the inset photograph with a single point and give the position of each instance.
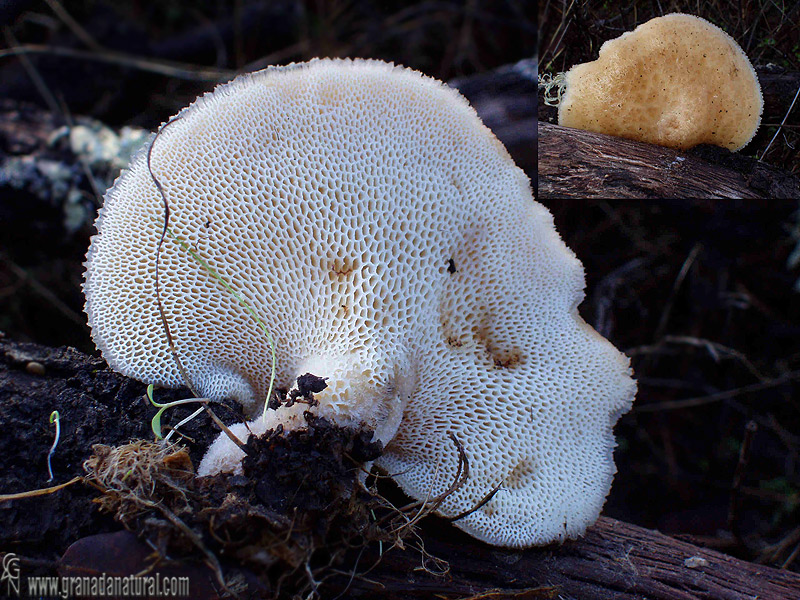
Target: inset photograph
(675, 100)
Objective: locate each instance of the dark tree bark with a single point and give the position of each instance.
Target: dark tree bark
(613, 561)
(582, 164)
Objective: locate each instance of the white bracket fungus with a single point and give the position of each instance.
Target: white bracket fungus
(390, 244)
(675, 80)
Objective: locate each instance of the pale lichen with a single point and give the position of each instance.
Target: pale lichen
(548, 82)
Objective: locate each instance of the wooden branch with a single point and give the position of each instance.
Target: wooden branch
(581, 164)
(614, 561)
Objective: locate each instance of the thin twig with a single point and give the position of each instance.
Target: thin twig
(36, 78)
(738, 476)
(162, 314)
(87, 170)
(161, 67)
(719, 396)
(716, 350)
(213, 562)
(44, 292)
(75, 27)
(777, 131)
(685, 267)
(483, 501)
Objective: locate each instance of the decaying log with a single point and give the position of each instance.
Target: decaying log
(613, 561)
(581, 164)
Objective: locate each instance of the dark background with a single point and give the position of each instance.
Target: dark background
(207, 41)
(701, 297)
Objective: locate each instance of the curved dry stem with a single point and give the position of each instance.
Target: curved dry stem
(167, 331)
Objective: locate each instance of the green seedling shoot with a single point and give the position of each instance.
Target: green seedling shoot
(54, 418)
(156, 422)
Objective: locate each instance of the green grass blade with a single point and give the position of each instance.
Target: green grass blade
(241, 301)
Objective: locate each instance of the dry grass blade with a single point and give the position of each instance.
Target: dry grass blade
(145, 476)
(165, 324)
(44, 292)
(76, 28)
(481, 503)
(135, 475)
(428, 505)
(781, 126)
(39, 492)
(159, 303)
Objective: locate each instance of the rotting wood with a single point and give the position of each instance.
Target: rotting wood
(578, 164)
(613, 561)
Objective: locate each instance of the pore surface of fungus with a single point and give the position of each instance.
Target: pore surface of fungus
(675, 80)
(391, 246)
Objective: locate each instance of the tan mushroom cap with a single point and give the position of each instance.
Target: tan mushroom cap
(675, 80)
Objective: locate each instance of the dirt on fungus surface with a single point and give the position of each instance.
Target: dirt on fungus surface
(299, 491)
(295, 512)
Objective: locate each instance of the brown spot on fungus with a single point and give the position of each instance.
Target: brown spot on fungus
(521, 475)
(506, 358)
(342, 267)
